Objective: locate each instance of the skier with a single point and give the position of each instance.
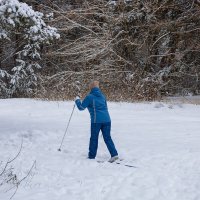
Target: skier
(96, 104)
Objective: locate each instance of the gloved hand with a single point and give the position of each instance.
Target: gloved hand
(77, 97)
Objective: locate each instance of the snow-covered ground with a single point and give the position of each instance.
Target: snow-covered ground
(161, 140)
(183, 99)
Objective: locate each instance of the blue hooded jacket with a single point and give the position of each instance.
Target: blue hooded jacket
(96, 104)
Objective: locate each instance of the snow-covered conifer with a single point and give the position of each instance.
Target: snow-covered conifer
(19, 20)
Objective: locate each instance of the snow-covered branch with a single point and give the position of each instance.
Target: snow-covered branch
(19, 20)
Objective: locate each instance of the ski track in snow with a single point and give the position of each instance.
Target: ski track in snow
(162, 140)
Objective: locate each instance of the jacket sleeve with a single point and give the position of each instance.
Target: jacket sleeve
(84, 104)
(105, 101)
(106, 104)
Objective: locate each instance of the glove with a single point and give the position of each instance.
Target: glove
(77, 98)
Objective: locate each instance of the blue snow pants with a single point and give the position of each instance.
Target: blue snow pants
(105, 129)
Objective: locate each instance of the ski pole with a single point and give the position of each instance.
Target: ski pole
(66, 128)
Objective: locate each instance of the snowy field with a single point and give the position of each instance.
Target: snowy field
(161, 140)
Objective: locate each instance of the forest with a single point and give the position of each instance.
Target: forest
(137, 49)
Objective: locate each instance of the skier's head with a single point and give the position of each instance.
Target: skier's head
(94, 84)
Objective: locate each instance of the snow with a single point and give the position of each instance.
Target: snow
(161, 140)
(184, 99)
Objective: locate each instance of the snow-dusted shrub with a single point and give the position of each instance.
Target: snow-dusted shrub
(7, 176)
(137, 49)
(27, 31)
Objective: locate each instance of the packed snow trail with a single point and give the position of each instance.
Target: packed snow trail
(161, 140)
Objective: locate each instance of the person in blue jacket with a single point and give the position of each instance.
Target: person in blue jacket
(96, 104)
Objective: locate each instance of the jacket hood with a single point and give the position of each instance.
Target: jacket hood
(96, 92)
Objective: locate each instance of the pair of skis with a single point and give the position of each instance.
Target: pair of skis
(118, 162)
